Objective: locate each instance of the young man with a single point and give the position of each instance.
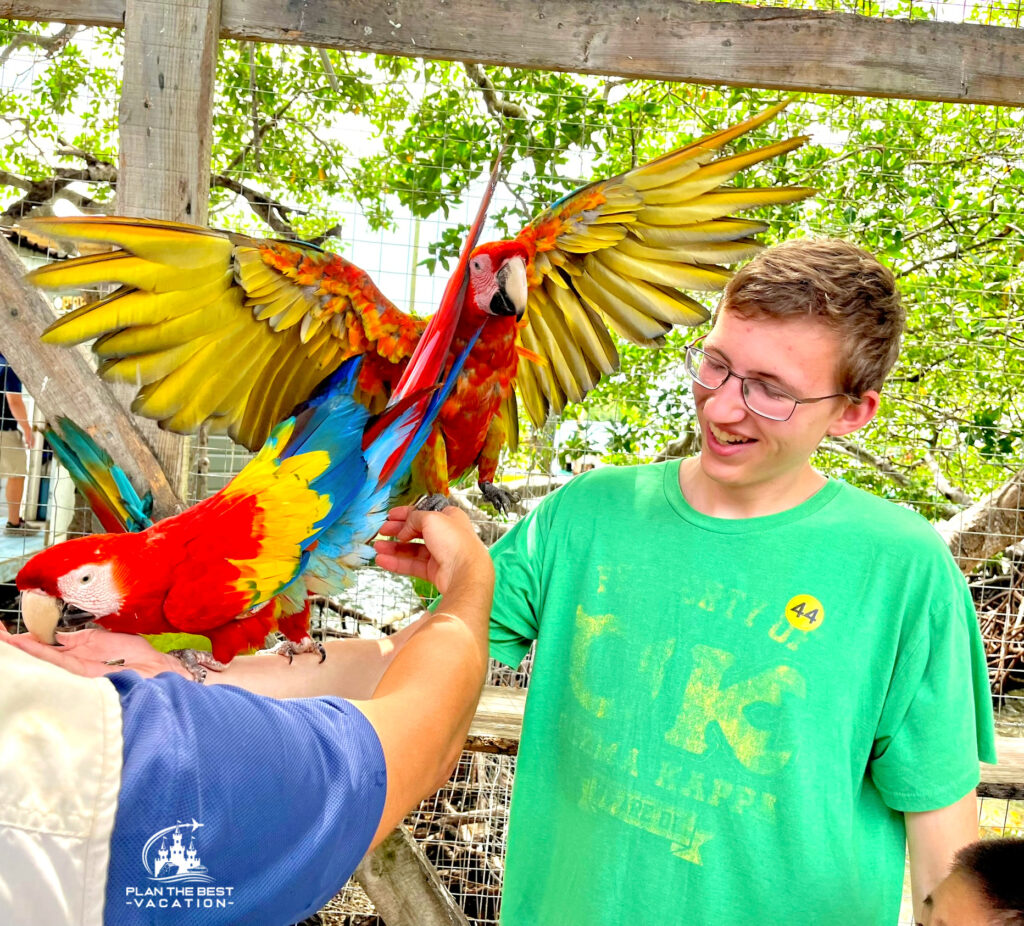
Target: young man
(753, 685)
(129, 800)
(983, 889)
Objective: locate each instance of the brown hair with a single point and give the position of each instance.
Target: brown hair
(838, 282)
(994, 865)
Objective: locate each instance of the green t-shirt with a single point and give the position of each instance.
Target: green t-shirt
(726, 718)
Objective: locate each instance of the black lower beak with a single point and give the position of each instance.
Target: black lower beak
(502, 305)
(73, 617)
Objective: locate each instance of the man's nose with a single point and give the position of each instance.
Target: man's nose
(727, 400)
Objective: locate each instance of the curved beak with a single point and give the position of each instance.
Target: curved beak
(41, 614)
(510, 299)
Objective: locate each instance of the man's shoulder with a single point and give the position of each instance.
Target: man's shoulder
(892, 523)
(610, 487)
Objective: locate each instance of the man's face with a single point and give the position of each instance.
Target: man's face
(956, 902)
(798, 355)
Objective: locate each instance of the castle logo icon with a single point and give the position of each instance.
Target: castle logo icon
(169, 861)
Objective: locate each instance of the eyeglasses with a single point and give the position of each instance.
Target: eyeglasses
(760, 397)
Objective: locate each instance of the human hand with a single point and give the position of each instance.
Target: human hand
(451, 553)
(27, 437)
(97, 652)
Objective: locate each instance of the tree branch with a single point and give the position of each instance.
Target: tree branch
(988, 527)
(40, 192)
(945, 487)
(496, 106)
(958, 251)
(863, 455)
(271, 211)
(51, 44)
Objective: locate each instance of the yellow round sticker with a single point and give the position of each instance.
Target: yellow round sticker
(805, 612)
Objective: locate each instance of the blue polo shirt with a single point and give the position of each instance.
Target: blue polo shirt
(236, 808)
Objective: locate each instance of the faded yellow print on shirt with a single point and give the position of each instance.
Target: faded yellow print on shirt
(666, 798)
(706, 701)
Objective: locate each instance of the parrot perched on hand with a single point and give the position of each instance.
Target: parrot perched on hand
(243, 562)
(235, 331)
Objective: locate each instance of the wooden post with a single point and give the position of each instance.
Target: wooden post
(739, 44)
(404, 887)
(165, 120)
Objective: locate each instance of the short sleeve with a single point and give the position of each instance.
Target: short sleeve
(519, 566)
(937, 719)
(240, 808)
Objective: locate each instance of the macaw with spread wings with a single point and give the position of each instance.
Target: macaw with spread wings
(237, 331)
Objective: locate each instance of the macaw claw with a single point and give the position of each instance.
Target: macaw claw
(290, 648)
(197, 661)
(505, 500)
(434, 502)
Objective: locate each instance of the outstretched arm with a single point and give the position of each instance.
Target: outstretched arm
(426, 699)
(353, 668)
(933, 838)
(308, 783)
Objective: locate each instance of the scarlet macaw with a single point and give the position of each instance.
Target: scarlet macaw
(235, 331)
(243, 562)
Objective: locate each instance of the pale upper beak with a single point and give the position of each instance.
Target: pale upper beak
(512, 289)
(41, 614)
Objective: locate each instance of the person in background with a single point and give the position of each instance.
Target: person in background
(985, 887)
(15, 443)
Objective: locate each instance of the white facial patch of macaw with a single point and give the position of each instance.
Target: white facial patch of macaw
(92, 588)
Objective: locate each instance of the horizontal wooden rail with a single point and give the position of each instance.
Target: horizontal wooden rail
(498, 726)
(676, 40)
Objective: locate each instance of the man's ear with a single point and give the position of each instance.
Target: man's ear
(854, 417)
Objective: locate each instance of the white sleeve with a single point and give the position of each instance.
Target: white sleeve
(60, 773)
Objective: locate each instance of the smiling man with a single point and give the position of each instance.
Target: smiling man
(754, 686)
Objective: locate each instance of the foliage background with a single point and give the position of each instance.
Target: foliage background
(359, 147)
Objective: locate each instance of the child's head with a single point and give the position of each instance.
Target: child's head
(984, 888)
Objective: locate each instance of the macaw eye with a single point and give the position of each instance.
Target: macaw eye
(86, 579)
(477, 265)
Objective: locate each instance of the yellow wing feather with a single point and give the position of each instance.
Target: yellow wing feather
(218, 327)
(619, 254)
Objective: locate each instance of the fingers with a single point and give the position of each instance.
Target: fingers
(407, 559)
(408, 523)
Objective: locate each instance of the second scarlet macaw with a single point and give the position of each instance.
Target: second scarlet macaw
(235, 331)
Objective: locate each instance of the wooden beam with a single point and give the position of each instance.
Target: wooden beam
(404, 887)
(676, 40)
(77, 12)
(498, 722)
(63, 383)
(166, 130)
(498, 726)
(1005, 780)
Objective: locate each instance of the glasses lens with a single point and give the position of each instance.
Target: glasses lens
(765, 400)
(709, 372)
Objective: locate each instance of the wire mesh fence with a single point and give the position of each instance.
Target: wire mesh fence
(382, 160)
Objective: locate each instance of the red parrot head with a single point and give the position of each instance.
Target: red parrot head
(497, 280)
(72, 583)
